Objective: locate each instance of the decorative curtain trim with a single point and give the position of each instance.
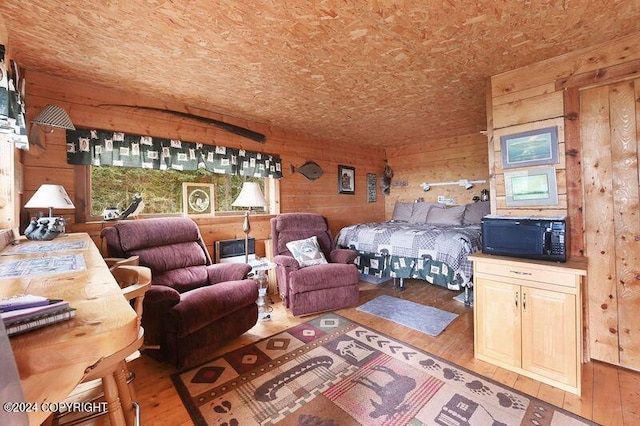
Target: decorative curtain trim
(108, 148)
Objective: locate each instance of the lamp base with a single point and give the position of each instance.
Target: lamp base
(45, 228)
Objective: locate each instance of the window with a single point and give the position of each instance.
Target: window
(161, 190)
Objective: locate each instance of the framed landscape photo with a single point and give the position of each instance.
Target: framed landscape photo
(531, 148)
(532, 187)
(198, 199)
(346, 180)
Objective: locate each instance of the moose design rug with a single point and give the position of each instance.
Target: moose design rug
(333, 371)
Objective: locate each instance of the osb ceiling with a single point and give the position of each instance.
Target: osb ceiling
(379, 72)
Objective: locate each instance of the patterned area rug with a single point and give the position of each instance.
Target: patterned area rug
(333, 371)
(426, 319)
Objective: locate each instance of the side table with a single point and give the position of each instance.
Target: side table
(259, 268)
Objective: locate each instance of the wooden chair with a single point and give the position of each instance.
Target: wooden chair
(114, 262)
(112, 372)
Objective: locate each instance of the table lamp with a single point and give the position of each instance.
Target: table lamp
(49, 197)
(250, 196)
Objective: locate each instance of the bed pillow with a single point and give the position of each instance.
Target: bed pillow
(402, 211)
(448, 216)
(421, 211)
(307, 252)
(474, 212)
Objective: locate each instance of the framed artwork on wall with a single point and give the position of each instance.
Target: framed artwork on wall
(346, 180)
(531, 187)
(532, 148)
(198, 199)
(371, 188)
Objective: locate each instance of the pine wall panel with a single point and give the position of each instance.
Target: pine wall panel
(442, 160)
(597, 175)
(297, 194)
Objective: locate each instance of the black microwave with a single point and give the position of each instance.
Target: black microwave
(531, 237)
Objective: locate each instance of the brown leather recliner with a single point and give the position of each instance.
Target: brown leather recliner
(193, 306)
(310, 289)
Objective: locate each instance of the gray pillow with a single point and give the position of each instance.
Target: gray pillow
(402, 211)
(421, 211)
(448, 216)
(474, 212)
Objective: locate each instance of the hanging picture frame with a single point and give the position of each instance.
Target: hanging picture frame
(371, 188)
(198, 199)
(346, 180)
(531, 187)
(531, 148)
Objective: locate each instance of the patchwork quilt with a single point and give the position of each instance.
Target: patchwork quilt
(435, 253)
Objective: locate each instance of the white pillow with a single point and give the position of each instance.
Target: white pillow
(307, 252)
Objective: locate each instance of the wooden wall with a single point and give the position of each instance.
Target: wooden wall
(551, 93)
(9, 183)
(442, 160)
(297, 194)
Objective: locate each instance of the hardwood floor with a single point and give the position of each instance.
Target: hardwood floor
(610, 395)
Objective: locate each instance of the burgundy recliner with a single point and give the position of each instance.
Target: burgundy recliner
(310, 289)
(193, 306)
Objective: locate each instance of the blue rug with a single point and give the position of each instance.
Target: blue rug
(426, 319)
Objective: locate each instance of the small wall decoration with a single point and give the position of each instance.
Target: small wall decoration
(371, 188)
(387, 174)
(311, 170)
(531, 187)
(198, 199)
(346, 180)
(531, 148)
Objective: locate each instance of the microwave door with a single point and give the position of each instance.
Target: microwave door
(518, 240)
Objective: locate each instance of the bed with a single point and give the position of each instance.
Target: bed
(425, 241)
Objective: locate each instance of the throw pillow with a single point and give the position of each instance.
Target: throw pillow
(307, 252)
(474, 212)
(421, 211)
(402, 211)
(448, 216)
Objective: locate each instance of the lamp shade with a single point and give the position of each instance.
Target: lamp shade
(54, 116)
(250, 196)
(50, 197)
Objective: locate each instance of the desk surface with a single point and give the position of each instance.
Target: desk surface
(52, 360)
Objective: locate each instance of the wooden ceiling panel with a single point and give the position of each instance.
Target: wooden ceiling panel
(378, 72)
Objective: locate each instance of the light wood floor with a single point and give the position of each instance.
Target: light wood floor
(610, 395)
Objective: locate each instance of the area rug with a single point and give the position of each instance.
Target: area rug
(426, 319)
(333, 371)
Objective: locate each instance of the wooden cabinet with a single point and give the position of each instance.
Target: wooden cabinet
(528, 317)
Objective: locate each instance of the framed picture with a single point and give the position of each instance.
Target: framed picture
(346, 180)
(371, 188)
(532, 148)
(198, 199)
(532, 187)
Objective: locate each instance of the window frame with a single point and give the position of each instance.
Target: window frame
(82, 174)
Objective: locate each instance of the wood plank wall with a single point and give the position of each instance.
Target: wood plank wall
(9, 184)
(297, 194)
(443, 160)
(549, 93)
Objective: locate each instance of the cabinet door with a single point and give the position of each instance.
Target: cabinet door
(497, 322)
(549, 340)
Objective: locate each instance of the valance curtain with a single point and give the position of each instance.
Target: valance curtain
(108, 148)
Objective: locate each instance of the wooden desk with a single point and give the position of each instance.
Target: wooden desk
(52, 360)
